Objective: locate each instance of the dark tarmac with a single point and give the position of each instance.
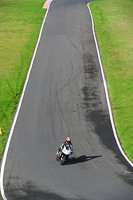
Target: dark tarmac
(65, 97)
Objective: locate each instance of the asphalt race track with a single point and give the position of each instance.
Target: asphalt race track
(65, 97)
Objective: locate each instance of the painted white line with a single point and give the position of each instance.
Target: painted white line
(106, 92)
(17, 111)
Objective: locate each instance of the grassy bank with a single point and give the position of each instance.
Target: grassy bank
(114, 30)
(20, 24)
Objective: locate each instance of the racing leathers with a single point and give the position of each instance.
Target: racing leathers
(65, 143)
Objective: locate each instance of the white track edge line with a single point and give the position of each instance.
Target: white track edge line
(18, 109)
(106, 92)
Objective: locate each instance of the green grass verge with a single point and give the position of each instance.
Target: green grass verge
(114, 30)
(20, 24)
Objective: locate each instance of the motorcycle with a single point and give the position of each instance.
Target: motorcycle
(62, 155)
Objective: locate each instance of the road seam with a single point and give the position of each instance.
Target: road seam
(18, 109)
(106, 92)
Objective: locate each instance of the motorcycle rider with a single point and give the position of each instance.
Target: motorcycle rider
(66, 142)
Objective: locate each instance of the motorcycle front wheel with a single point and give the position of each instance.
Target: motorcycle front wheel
(62, 159)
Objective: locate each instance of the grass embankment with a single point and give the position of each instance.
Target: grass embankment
(114, 30)
(20, 24)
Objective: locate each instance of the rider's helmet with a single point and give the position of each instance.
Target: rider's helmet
(68, 140)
